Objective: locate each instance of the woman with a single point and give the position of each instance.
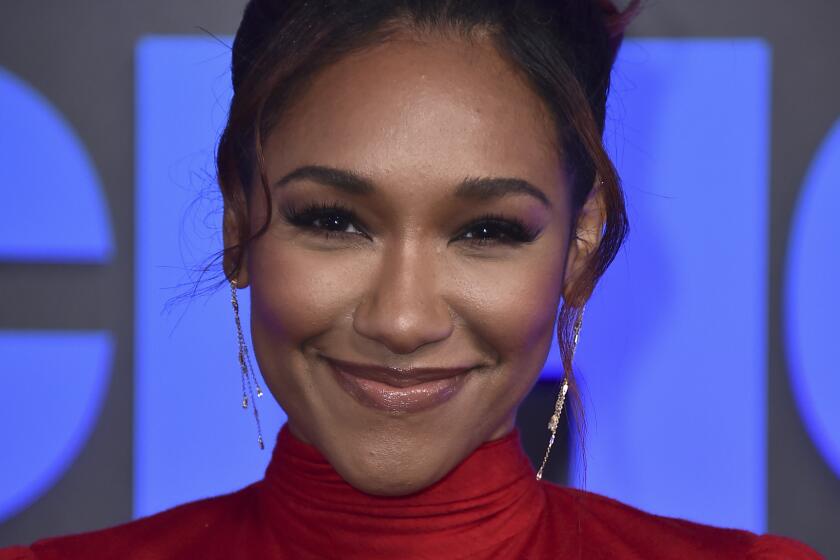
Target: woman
(413, 189)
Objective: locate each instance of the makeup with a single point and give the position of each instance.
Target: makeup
(398, 390)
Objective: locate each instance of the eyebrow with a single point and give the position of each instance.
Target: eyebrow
(471, 188)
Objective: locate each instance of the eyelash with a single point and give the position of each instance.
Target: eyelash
(513, 231)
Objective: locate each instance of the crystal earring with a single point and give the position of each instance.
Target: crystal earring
(245, 364)
(561, 398)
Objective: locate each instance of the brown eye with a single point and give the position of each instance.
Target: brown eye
(494, 228)
(326, 219)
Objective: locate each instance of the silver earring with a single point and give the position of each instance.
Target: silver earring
(561, 398)
(245, 365)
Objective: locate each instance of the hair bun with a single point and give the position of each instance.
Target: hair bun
(617, 21)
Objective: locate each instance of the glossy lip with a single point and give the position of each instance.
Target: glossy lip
(396, 389)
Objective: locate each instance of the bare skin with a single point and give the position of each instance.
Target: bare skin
(411, 279)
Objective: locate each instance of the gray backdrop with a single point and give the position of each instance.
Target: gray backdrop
(80, 55)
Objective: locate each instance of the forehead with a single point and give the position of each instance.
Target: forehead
(419, 115)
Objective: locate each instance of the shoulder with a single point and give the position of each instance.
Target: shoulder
(181, 531)
(775, 547)
(619, 530)
(17, 553)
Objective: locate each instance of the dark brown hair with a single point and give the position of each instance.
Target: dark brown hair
(565, 49)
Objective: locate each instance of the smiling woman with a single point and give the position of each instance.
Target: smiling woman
(379, 247)
(415, 192)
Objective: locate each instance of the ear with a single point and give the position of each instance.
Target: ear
(231, 238)
(586, 235)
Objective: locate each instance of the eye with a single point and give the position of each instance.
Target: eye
(327, 219)
(492, 229)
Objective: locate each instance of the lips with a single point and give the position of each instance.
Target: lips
(395, 389)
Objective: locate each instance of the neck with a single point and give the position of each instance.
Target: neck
(306, 498)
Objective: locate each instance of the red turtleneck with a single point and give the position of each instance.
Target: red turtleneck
(489, 506)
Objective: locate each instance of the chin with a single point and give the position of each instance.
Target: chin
(380, 473)
(386, 484)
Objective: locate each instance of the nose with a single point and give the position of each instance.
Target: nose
(403, 308)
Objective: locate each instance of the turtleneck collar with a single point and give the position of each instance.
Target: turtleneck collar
(484, 502)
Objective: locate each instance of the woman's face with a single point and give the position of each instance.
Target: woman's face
(380, 252)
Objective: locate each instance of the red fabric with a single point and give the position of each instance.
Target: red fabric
(490, 506)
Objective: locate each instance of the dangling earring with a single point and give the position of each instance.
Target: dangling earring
(561, 398)
(245, 364)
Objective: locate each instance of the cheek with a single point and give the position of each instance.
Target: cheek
(296, 296)
(512, 306)
(295, 293)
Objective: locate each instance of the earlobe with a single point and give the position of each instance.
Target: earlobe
(233, 254)
(586, 235)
